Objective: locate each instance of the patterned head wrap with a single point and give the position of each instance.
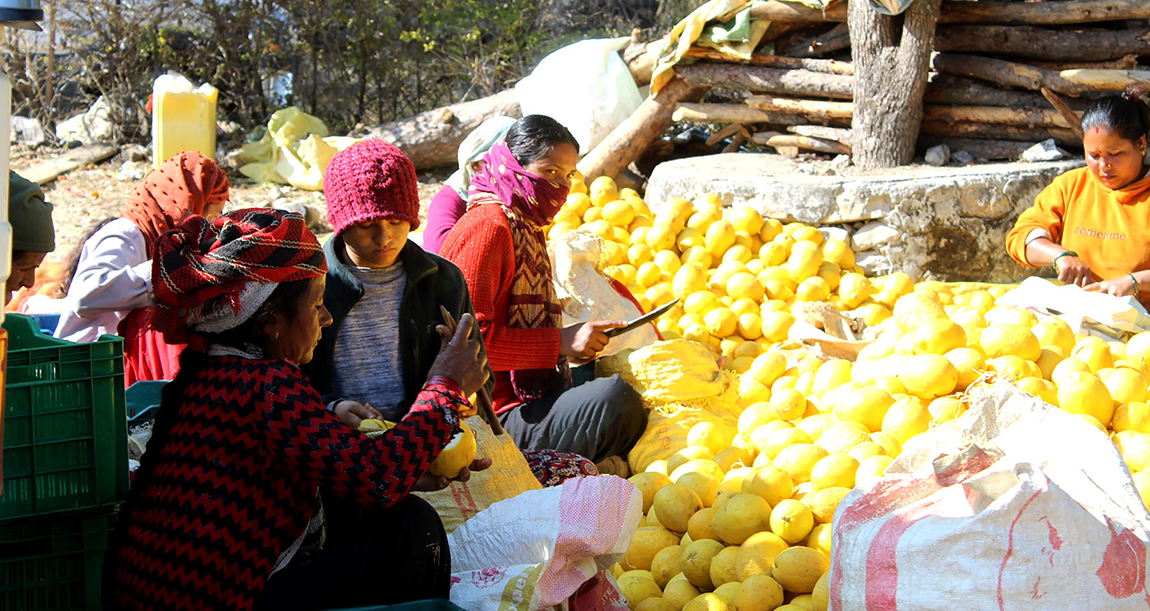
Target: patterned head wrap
(180, 187)
(529, 202)
(212, 276)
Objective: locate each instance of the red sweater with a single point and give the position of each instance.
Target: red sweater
(481, 246)
(233, 483)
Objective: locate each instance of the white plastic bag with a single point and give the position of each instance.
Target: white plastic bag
(535, 550)
(1015, 505)
(586, 294)
(585, 86)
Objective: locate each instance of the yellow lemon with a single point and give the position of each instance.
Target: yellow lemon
(697, 465)
(703, 483)
(770, 483)
(968, 363)
(1094, 352)
(839, 438)
(839, 252)
(1084, 393)
(1050, 357)
(792, 521)
(834, 470)
(665, 564)
(674, 505)
(853, 289)
(928, 376)
(1138, 348)
(655, 603)
(638, 586)
(603, 189)
(744, 285)
(688, 453)
(776, 325)
(915, 308)
(820, 538)
(740, 517)
(798, 460)
(648, 484)
(647, 542)
(709, 602)
(938, 336)
(719, 237)
(701, 525)
(1066, 367)
(821, 595)
(1131, 417)
(768, 367)
(806, 233)
(890, 444)
(1125, 385)
(875, 466)
(814, 288)
(868, 449)
(823, 503)
(456, 455)
(759, 593)
(814, 426)
(1043, 389)
(788, 404)
(1135, 449)
(619, 213)
(804, 261)
(723, 567)
(745, 219)
(1142, 485)
(757, 554)
(866, 406)
(695, 562)
(1009, 339)
(1013, 367)
(831, 374)
(1011, 316)
(680, 591)
(721, 322)
(1054, 333)
(798, 568)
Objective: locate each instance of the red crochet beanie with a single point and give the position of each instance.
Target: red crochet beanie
(370, 181)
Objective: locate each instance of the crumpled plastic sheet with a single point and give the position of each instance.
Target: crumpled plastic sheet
(295, 150)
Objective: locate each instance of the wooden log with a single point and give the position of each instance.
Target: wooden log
(640, 60)
(837, 134)
(810, 108)
(1065, 110)
(998, 115)
(761, 79)
(987, 131)
(631, 137)
(828, 66)
(810, 144)
(732, 113)
(1107, 80)
(948, 89)
(735, 144)
(836, 39)
(989, 150)
(1125, 62)
(1051, 12)
(1050, 44)
(1002, 72)
(46, 171)
(722, 134)
(432, 138)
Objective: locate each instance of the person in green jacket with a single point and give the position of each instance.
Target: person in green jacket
(384, 293)
(33, 235)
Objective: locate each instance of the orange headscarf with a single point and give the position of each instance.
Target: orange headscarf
(181, 186)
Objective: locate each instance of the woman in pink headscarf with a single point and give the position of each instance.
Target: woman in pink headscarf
(500, 247)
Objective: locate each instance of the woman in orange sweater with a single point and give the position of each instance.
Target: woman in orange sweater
(1093, 224)
(500, 247)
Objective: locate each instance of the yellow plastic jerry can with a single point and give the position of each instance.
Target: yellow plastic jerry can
(183, 118)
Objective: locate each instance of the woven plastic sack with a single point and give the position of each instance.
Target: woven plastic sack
(1015, 505)
(508, 476)
(535, 550)
(674, 371)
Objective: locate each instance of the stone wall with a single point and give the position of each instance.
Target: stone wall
(933, 223)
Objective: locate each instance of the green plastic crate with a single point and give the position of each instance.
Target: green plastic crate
(53, 562)
(65, 430)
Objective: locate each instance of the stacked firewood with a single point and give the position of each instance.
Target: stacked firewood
(1005, 75)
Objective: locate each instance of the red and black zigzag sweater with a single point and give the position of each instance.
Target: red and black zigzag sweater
(235, 483)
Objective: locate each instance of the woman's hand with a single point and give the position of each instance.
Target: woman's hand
(1119, 287)
(586, 339)
(1073, 270)
(459, 358)
(431, 483)
(352, 413)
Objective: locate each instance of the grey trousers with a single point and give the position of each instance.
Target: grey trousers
(599, 419)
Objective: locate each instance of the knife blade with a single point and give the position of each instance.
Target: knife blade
(642, 320)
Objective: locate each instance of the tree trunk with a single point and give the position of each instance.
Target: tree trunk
(766, 80)
(891, 67)
(432, 138)
(1002, 72)
(1092, 45)
(631, 137)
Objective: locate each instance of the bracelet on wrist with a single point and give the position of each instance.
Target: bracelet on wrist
(1067, 253)
(1135, 282)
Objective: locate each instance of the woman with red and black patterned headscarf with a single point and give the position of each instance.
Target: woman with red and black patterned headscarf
(223, 512)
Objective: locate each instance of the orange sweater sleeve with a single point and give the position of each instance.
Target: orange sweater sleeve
(1047, 213)
(481, 246)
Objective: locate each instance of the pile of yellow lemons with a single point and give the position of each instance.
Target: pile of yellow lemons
(740, 518)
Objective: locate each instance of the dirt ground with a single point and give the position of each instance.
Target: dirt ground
(94, 193)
